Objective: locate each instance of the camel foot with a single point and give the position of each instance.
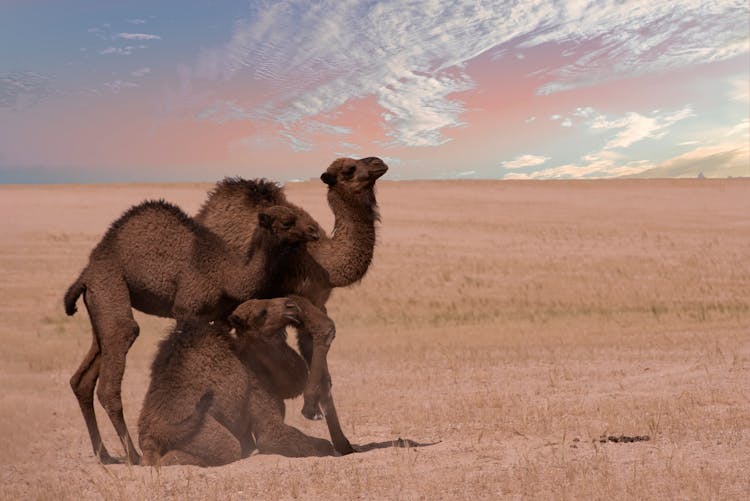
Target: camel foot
(344, 447)
(107, 459)
(312, 413)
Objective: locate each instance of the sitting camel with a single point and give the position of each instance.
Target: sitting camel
(312, 271)
(158, 260)
(214, 397)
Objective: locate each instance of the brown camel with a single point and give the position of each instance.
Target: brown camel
(313, 271)
(156, 259)
(214, 397)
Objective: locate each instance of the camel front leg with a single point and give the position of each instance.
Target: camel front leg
(273, 436)
(318, 391)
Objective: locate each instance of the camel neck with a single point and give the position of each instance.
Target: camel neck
(347, 254)
(248, 280)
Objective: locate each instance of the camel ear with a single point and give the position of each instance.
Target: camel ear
(265, 220)
(327, 178)
(236, 322)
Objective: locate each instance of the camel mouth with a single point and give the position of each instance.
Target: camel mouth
(378, 171)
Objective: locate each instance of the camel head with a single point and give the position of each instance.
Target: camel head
(265, 319)
(289, 226)
(351, 178)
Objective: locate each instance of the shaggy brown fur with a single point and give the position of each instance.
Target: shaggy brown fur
(335, 261)
(213, 398)
(158, 260)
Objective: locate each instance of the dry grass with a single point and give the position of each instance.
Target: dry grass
(514, 322)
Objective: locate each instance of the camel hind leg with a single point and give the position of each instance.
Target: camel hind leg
(111, 315)
(83, 383)
(212, 445)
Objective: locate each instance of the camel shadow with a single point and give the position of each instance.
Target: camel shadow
(402, 443)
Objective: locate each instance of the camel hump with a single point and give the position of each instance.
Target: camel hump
(257, 191)
(160, 206)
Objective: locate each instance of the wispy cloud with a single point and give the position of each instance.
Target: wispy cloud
(24, 89)
(296, 143)
(136, 21)
(137, 36)
(609, 161)
(121, 51)
(635, 127)
(524, 161)
(411, 56)
(118, 85)
(601, 164)
(730, 158)
(740, 90)
(140, 72)
(224, 111)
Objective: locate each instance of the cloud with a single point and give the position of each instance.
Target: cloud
(411, 55)
(24, 89)
(609, 41)
(633, 127)
(140, 72)
(524, 161)
(740, 90)
(116, 86)
(121, 51)
(297, 144)
(136, 21)
(137, 36)
(610, 160)
(636, 127)
(596, 165)
(721, 160)
(224, 111)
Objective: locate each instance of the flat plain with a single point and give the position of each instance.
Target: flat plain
(510, 324)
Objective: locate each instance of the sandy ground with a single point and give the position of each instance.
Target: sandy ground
(514, 323)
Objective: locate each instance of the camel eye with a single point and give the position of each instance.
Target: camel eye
(349, 172)
(287, 224)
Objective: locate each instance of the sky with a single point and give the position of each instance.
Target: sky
(110, 91)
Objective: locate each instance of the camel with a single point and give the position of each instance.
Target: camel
(332, 261)
(215, 397)
(158, 260)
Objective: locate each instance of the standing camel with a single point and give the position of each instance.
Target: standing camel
(158, 260)
(332, 261)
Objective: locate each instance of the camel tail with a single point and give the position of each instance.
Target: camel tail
(72, 295)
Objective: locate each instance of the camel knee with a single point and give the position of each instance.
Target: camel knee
(109, 396)
(84, 393)
(120, 333)
(131, 329)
